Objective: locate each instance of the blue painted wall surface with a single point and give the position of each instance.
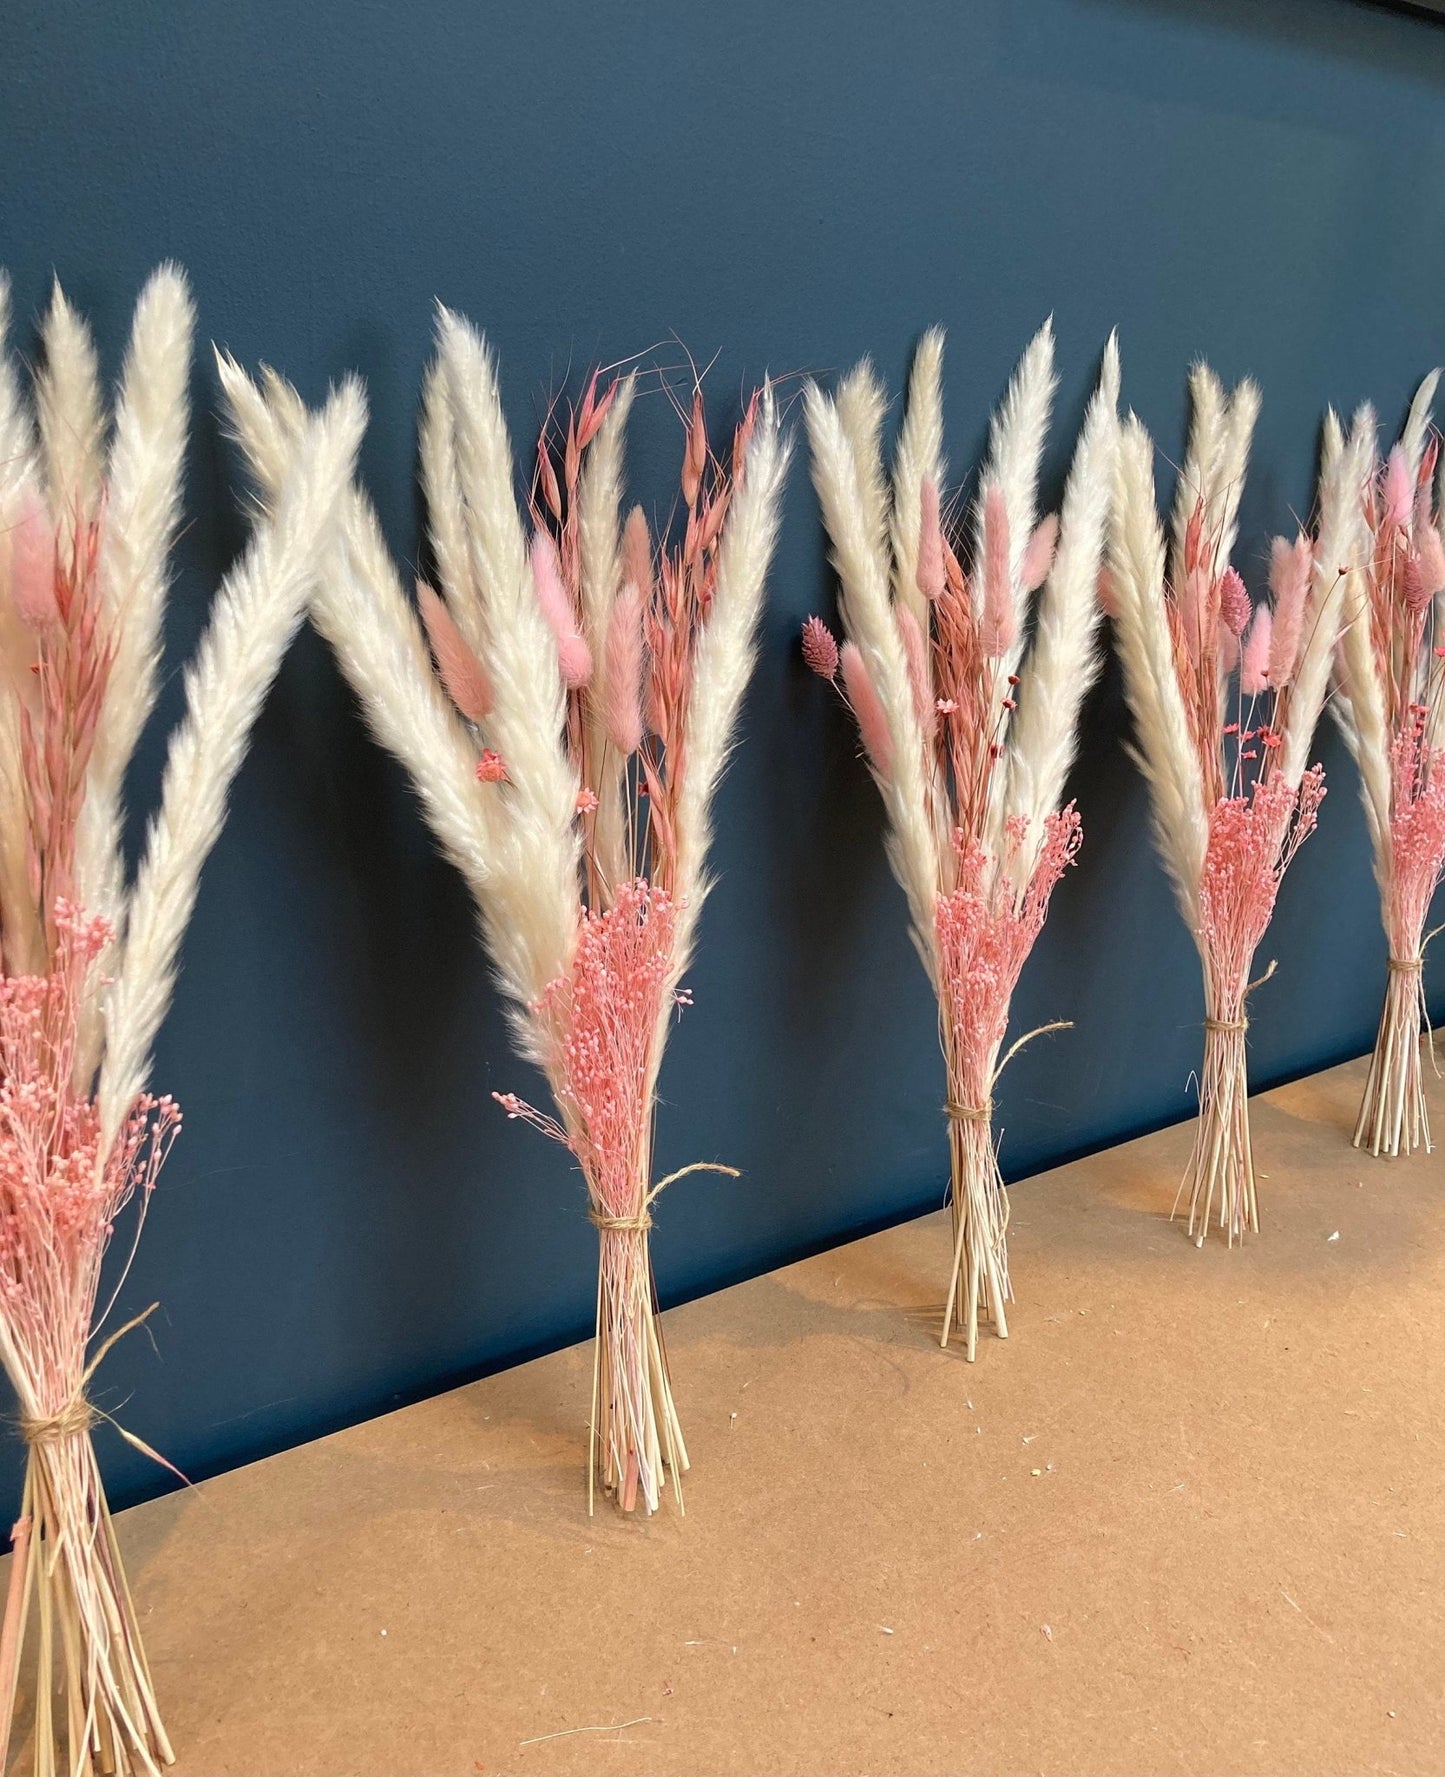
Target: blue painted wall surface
(349, 1221)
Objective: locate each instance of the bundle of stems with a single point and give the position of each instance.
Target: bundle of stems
(1225, 699)
(968, 716)
(88, 958)
(1390, 706)
(566, 746)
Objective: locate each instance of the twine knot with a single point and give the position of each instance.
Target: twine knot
(1406, 965)
(969, 1113)
(73, 1420)
(1239, 1024)
(605, 1224)
(641, 1221)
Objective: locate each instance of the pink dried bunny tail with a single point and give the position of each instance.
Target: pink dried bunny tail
(32, 567)
(573, 655)
(1254, 665)
(623, 712)
(930, 571)
(1290, 565)
(637, 552)
(1234, 606)
(916, 651)
(867, 709)
(461, 672)
(1398, 495)
(1039, 555)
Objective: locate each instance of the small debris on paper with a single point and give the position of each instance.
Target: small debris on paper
(1334, 1236)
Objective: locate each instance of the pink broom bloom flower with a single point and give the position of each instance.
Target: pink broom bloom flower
(867, 709)
(622, 712)
(491, 768)
(1234, 605)
(930, 575)
(1254, 667)
(915, 651)
(574, 657)
(997, 627)
(461, 673)
(1039, 555)
(820, 650)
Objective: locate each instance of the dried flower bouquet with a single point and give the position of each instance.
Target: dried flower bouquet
(88, 961)
(1390, 706)
(592, 682)
(968, 717)
(1225, 698)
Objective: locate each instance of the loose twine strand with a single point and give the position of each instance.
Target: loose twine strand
(983, 1113)
(642, 1221)
(1241, 1024)
(80, 1414)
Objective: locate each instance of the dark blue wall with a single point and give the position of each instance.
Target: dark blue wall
(349, 1220)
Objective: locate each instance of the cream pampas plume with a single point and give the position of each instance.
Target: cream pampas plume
(89, 965)
(934, 669)
(581, 811)
(1379, 535)
(1222, 745)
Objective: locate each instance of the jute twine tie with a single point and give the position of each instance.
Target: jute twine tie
(1401, 965)
(73, 1420)
(983, 1113)
(642, 1220)
(1240, 1024)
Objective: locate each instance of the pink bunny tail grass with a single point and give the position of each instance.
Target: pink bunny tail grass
(574, 657)
(996, 627)
(1430, 559)
(1234, 606)
(930, 575)
(1038, 559)
(637, 552)
(1290, 565)
(868, 710)
(622, 714)
(33, 567)
(820, 649)
(1393, 1117)
(462, 674)
(1255, 655)
(984, 931)
(915, 651)
(1104, 592)
(1396, 494)
(1252, 841)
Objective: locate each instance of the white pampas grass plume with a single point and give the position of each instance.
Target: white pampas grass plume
(861, 406)
(1065, 657)
(461, 672)
(446, 525)
(17, 445)
(1417, 425)
(1340, 556)
(726, 651)
(71, 416)
(869, 624)
(143, 507)
(256, 613)
(362, 610)
(919, 459)
(520, 654)
(1163, 748)
(1015, 449)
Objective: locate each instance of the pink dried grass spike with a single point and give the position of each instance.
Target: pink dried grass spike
(574, 657)
(867, 710)
(1290, 567)
(462, 674)
(820, 649)
(1038, 559)
(930, 574)
(625, 669)
(915, 651)
(1254, 667)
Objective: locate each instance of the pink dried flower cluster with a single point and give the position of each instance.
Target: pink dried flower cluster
(985, 931)
(1253, 839)
(59, 1191)
(1417, 835)
(603, 1021)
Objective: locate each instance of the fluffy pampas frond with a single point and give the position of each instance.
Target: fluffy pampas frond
(919, 458)
(255, 616)
(1164, 751)
(71, 416)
